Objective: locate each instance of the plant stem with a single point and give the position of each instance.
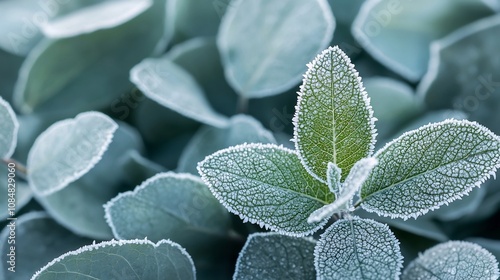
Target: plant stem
(21, 168)
(242, 105)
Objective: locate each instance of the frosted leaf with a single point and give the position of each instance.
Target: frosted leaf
(173, 87)
(430, 166)
(67, 150)
(177, 206)
(275, 256)
(264, 45)
(125, 259)
(333, 174)
(453, 260)
(267, 185)
(358, 249)
(333, 121)
(9, 127)
(343, 201)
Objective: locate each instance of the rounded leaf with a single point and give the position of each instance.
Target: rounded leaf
(358, 249)
(333, 120)
(67, 150)
(430, 166)
(127, 259)
(264, 45)
(453, 260)
(9, 127)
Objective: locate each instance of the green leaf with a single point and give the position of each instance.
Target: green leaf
(137, 168)
(431, 166)
(264, 45)
(39, 240)
(453, 260)
(343, 199)
(9, 127)
(447, 83)
(462, 207)
(81, 142)
(9, 68)
(175, 206)
(208, 140)
(398, 33)
(104, 15)
(197, 18)
(126, 259)
(78, 206)
(267, 185)
(275, 256)
(333, 120)
(92, 81)
(171, 86)
(358, 249)
(333, 175)
(492, 245)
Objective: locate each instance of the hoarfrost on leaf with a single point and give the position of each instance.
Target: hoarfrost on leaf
(430, 166)
(358, 249)
(275, 256)
(453, 260)
(267, 185)
(67, 150)
(333, 121)
(9, 127)
(343, 200)
(333, 175)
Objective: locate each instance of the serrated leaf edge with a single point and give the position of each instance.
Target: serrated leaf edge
(300, 93)
(113, 243)
(384, 226)
(466, 191)
(241, 215)
(259, 234)
(13, 116)
(90, 165)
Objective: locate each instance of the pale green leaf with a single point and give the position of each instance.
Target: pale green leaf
(267, 185)
(463, 73)
(264, 45)
(431, 166)
(107, 14)
(453, 260)
(78, 206)
(179, 207)
(127, 259)
(195, 18)
(56, 77)
(333, 175)
(171, 86)
(357, 248)
(333, 121)
(350, 187)
(39, 240)
(67, 150)
(9, 127)
(398, 33)
(274, 256)
(136, 168)
(208, 140)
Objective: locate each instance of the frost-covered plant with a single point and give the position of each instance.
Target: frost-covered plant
(333, 171)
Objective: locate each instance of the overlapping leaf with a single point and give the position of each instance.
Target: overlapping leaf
(453, 260)
(9, 127)
(357, 249)
(431, 166)
(126, 259)
(275, 256)
(264, 54)
(333, 120)
(266, 184)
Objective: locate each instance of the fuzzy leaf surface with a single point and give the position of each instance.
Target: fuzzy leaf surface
(67, 150)
(333, 120)
(129, 259)
(358, 249)
(275, 256)
(453, 260)
(430, 166)
(8, 129)
(267, 185)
